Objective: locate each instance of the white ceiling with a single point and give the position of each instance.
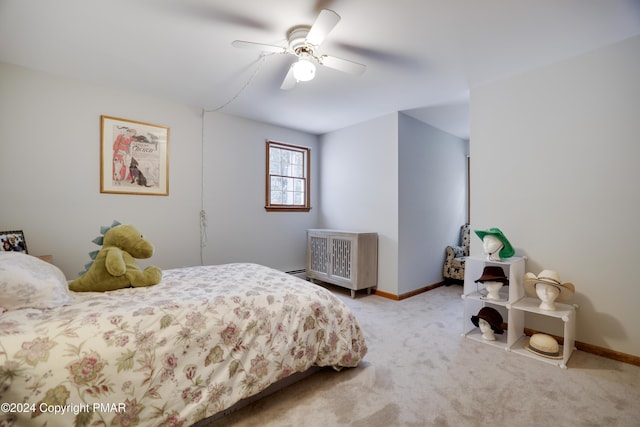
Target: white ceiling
(422, 56)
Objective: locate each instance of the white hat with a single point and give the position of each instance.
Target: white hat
(548, 277)
(544, 345)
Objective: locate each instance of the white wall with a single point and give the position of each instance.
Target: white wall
(432, 200)
(555, 166)
(359, 189)
(50, 169)
(404, 180)
(234, 193)
(50, 182)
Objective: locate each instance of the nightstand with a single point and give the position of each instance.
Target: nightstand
(48, 258)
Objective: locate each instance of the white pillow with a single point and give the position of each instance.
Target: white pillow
(29, 282)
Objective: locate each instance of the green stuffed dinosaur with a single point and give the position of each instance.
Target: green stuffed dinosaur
(115, 266)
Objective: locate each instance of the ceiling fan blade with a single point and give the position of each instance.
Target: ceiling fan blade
(258, 46)
(208, 13)
(342, 65)
(326, 20)
(289, 81)
(382, 55)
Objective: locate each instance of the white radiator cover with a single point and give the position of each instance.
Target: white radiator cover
(344, 258)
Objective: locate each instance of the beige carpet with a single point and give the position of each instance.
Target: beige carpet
(420, 371)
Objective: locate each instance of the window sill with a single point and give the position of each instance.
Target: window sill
(286, 209)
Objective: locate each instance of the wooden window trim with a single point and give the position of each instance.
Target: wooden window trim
(307, 169)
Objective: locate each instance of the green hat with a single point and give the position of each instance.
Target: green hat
(507, 250)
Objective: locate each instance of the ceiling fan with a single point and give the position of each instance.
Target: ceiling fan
(304, 42)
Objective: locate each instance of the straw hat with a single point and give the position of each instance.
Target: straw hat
(507, 250)
(492, 317)
(493, 273)
(544, 345)
(548, 277)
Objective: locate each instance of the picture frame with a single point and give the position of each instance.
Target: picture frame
(134, 157)
(13, 241)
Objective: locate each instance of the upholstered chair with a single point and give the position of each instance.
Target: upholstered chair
(453, 270)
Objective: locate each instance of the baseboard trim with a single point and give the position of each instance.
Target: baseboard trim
(386, 295)
(408, 294)
(594, 349)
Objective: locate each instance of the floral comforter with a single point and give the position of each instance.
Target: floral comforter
(171, 354)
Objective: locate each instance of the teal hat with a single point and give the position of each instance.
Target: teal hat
(507, 250)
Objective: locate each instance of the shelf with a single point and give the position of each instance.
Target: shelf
(532, 305)
(500, 342)
(512, 309)
(512, 267)
(480, 297)
(519, 348)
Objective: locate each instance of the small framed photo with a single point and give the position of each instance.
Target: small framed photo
(13, 241)
(134, 157)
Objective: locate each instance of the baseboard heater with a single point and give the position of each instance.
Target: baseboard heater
(301, 274)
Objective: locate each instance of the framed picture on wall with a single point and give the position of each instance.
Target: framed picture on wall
(134, 157)
(13, 241)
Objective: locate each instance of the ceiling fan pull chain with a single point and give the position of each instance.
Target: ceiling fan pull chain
(261, 60)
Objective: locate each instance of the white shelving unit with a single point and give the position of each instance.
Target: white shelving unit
(565, 313)
(512, 306)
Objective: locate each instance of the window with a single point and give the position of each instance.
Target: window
(287, 178)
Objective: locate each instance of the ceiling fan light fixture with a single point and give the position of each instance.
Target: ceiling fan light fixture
(304, 70)
(303, 41)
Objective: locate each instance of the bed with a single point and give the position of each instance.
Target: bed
(172, 354)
